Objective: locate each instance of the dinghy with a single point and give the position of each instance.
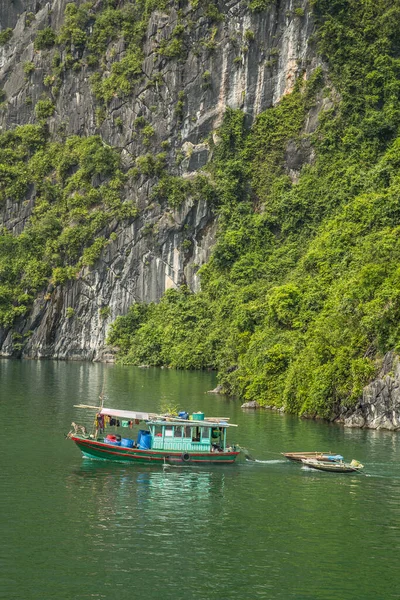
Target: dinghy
(321, 456)
(333, 467)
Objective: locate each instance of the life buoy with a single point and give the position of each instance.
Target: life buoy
(185, 457)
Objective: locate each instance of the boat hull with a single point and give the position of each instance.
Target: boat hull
(299, 456)
(100, 451)
(331, 467)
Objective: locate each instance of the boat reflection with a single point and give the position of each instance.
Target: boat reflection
(119, 494)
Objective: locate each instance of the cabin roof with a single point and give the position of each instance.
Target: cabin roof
(191, 423)
(154, 419)
(126, 414)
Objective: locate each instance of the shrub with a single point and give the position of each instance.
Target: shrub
(206, 79)
(45, 38)
(5, 36)
(44, 109)
(260, 5)
(29, 68)
(105, 312)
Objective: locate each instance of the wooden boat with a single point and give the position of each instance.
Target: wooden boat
(166, 439)
(321, 456)
(333, 467)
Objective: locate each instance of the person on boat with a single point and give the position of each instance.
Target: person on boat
(216, 448)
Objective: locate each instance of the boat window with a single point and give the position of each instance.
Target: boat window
(205, 433)
(188, 431)
(195, 434)
(178, 431)
(168, 431)
(157, 430)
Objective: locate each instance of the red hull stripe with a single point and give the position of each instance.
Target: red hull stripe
(154, 454)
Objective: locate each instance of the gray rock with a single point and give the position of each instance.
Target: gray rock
(251, 404)
(379, 407)
(218, 390)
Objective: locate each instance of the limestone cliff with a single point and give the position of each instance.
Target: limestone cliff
(244, 59)
(379, 407)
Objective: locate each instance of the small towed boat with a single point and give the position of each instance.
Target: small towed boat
(320, 456)
(334, 467)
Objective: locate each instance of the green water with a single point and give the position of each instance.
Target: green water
(72, 528)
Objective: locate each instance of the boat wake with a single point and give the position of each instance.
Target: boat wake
(265, 462)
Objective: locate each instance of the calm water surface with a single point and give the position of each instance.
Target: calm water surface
(72, 528)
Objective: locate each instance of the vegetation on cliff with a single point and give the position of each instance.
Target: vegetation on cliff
(301, 295)
(77, 184)
(302, 292)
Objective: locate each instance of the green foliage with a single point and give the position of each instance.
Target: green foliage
(301, 296)
(96, 27)
(260, 5)
(44, 109)
(151, 165)
(76, 19)
(173, 47)
(29, 68)
(105, 312)
(206, 80)
(175, 190)
(160, 334)
(148, 132)
(212, 12)
(29, 18)
(118, 122)
(45, 38)
(71, 208)
(94, 30)
(179, 106)
(92, 254)
(124, 75)
(5, 36)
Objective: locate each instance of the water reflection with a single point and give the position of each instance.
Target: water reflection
(152, 493)
(89, 529)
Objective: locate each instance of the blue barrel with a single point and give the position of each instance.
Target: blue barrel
(145, 441)
(127, 443)
(139, 435)
(183, 415)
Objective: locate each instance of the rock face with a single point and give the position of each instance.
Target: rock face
(252, 404)
(218, 390)
(379, 407)
(163, 248)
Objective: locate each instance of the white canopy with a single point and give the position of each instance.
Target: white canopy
(125, 414)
